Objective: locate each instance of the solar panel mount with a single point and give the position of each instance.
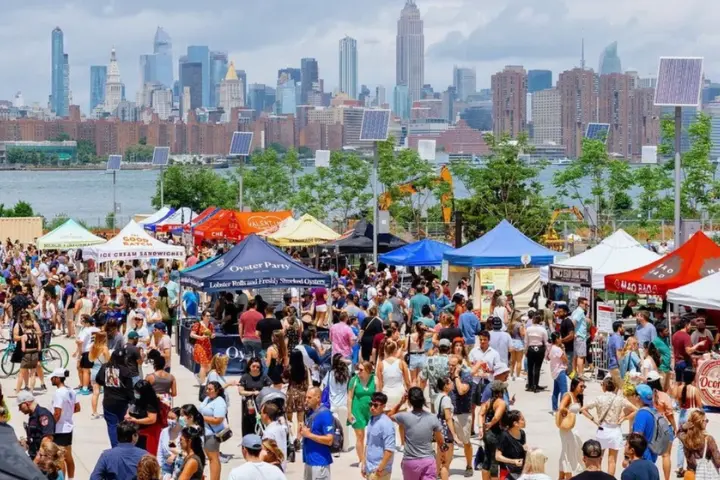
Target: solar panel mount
(161, 156)
(597, 131)
(114, 162)
(679, 82)
(375, 125)
(241, 143)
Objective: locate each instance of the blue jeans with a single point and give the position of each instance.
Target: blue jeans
(680, 451)
(112, 418)
(560, 388)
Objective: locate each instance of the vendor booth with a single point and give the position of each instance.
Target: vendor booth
(67, 236)
(695, 259)
(177, 219)
(133, 243)
(157, 216)
(252, 263)
(424, 253)
(233, 226)
(703, 293)
(303, 232)
(359, 239)
(502, 259)
(197, 220)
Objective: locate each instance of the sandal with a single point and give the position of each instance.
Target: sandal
(680, 473)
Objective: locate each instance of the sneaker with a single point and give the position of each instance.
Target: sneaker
(84, 391)
(224, 458)
(96, 416)
(468, 472)
(43, 387)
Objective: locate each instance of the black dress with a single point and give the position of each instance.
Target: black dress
(249, 412)
(275, 371)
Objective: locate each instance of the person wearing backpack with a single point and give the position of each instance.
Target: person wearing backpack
(380, 445)
(319, 435)
(663, 404)
(636, 466)
(652, 425)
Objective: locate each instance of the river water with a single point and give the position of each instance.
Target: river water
(88, 195)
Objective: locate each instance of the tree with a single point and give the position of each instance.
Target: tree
(305, 152)
(139, 153)
(700, 189)
(340, 190)
(60, 137)
(278, 147)
(505, 187)
(609, 180)
(86, 151)
(196, 188)
(269, 180)
(654, 200)
(409, 182)
(21, 209)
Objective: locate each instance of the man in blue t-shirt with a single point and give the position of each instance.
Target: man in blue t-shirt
(636, 466)
(469, 325)
(644, 423)
(318, 434)
(190, 303)
(615, 345)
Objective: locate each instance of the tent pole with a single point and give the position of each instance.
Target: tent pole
(375, 204)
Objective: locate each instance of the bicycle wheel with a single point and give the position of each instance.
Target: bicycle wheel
(51, 359)
(8, 368)
(63, 354)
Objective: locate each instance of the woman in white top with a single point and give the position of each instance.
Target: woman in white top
(83, 306)
(337, 382)
(65, 404)
(651, 361)
(570, 442)
(153, 315)
(392, 376)
(48, 313)
(444, 407)
(501, 312)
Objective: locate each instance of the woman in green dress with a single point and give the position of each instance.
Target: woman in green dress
(360, 390)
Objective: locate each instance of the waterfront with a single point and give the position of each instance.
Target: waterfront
(87, 195)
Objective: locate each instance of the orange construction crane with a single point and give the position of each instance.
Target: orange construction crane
(551, 239)
(385, 199)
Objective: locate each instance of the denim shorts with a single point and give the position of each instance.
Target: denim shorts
(417, 361)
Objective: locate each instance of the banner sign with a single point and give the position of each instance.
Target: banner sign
(708, 380)
(573, 275)
(605, 317)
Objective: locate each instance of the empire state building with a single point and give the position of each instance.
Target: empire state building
(410, 51)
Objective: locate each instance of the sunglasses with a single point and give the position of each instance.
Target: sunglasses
(376, 404)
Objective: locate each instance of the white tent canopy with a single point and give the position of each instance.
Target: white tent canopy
(133, 243)
(703, 293)
(618, 253)
(179, 217)
(157, 216)
(68, 235)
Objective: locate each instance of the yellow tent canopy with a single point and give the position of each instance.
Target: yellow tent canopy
(305, 231)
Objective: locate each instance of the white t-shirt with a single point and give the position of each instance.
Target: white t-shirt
(489, 356)
(65, 399)
(256, 470)
(43, 271)
(86, 337)
(278, 432)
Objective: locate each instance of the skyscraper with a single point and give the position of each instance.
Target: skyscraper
(309, 74)
(230, 92)
(201, 54)
(98, 77)
(609, 60)
(509, 89)
(294, 74)
(401, 102)
(191, 78)
(256, 97)
(218, 71)
(539, 80)
(349, 67)
(66, 84)
(59, 101)
(243, 78)
(410, 50)
(162, 48)
(379, 96)
(644, 120)
(546, 117)
(464, 81)
(614, 108)
(148, 69)
(113, 85)
(578, 107)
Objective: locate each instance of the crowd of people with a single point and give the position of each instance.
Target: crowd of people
(413, 370)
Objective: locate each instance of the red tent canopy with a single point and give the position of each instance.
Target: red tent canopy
(202, 217)
(697, 258)
(234, 226)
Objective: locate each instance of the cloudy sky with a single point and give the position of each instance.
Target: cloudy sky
(264, 35)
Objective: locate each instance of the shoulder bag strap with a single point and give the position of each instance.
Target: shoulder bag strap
(602, 419)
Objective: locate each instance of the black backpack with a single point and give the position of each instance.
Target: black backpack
(338, 434)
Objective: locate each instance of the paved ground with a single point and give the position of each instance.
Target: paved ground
(90, 437)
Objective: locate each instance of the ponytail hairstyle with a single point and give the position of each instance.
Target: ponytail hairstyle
(194, 435)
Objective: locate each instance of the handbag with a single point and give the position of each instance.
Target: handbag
(705, 469)
(224, 435)
(444, 428)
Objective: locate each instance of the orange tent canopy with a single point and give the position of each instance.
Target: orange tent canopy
(234, 226)
(697, 258)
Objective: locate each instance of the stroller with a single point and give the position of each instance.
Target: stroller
(277, 397)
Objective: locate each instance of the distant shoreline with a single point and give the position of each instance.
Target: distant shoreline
(23, 168)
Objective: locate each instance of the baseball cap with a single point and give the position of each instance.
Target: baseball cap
(445, 343)
(252, 441)
(24, 397)
(500, 368)
(498, 386)
(160, 326)
(508, 292)
(58, 373)
(133, 335)
(497, 323)
(652, 376)
(645, 393)
(592, 449)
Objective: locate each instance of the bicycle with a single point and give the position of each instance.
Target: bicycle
(51, 357)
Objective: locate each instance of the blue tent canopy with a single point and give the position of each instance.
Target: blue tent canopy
(424, 253)
(503, 246)
(252, 263)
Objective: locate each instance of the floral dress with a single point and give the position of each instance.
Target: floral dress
(202, 353)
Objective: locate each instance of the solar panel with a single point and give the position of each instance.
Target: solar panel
(679, 82)
(322, 158)
(240, 143)
(375, 125)
(161, 156)
(114, 162)
(597, 131)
